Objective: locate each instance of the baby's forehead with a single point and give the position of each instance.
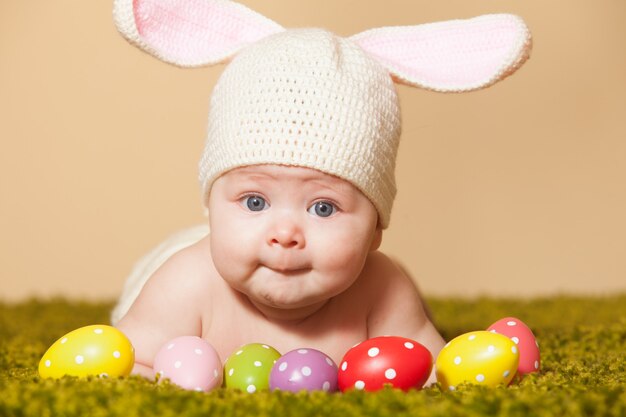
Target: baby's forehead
(286, 173)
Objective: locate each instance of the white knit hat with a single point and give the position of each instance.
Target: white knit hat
(307, 97)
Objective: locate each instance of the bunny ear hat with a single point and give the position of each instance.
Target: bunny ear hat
(310, 98)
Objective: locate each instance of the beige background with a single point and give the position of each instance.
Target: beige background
(517, 190)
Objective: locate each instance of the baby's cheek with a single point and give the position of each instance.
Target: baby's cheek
(231, 256)
(345, 253)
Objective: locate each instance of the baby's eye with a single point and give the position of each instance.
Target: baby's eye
(322, 209)
(255, 203)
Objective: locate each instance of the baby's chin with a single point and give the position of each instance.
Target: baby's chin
(282, 308)
(287, 300)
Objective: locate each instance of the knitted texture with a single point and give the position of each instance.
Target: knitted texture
(451, 56)
(308, 98)
(191, 32)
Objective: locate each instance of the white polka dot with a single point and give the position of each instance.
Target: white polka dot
(506, 373)
(98, 331)
(491, 348)
(390, 373)
(451, 387)
(373, 352)
(493, 331)
(326, 386)
(514, 349)
(117, 354)
(282, 366)
(63, 340)
(239, 352)
(457, 360)
(306, 371)
(170, 346)
(536, 364)
(258, 364)
(79, 359)
(511, 323)
(251, 388)
(472, 337)
(48, 363)
(409, 345)
(303, 351)
(161, 373)
(329, 361)
(344, 366)
(178, 364)
(480, 377)
(515, 339)
(198, 351)
(359, 385)
(230, 373)
(265, 346)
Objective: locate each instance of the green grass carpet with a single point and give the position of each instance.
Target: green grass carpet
(583, 347)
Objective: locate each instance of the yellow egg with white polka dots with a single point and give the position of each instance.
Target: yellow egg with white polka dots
(91, 350)
(480, 357)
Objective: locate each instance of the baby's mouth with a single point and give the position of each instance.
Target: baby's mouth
(289, 271)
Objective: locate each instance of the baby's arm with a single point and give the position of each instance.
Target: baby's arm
(398, 308)
(167, 307)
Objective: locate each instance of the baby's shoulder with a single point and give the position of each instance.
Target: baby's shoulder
(379, 265)
(382, 275)
(188, 270)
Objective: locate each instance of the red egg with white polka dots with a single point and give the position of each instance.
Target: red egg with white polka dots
(385, 361)
(520, 333)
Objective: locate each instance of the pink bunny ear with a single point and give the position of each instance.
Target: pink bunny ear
(191, 32)
(452, 56)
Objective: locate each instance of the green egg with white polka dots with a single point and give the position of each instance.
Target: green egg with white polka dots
(248, 369)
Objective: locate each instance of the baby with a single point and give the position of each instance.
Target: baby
(298, 178)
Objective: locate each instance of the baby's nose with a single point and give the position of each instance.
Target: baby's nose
(286, 234)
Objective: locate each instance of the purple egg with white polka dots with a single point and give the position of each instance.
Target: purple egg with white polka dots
(304, 369)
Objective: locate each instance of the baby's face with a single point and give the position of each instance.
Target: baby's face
(289, 237)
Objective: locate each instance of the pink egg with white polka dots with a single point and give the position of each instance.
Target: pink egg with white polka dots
(520, 333)
(304, 369)
(391, 361)
(189, 362)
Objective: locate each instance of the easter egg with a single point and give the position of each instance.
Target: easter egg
(520, 333)
(479, 357)
(248, 369)
(91, 350)
(385, 361)
(189, 362)
(304, 369)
